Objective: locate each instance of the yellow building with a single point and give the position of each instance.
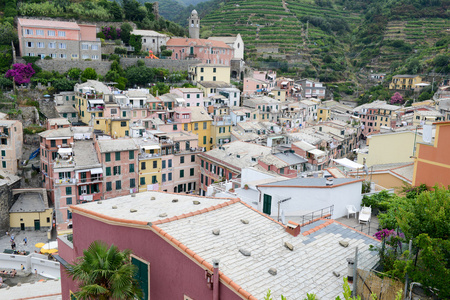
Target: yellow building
(89, 99)
(389, 148)
(114, 127)
(427, 117)
(149, 165)
(31, 210)
(404, 82)
(201, 125)
(207, 72)
(221, 129)
(323, 113)
(210, 88)
(279, 94)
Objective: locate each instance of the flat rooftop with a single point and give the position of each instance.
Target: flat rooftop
(311, 182)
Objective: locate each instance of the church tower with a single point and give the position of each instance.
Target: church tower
(194, 25)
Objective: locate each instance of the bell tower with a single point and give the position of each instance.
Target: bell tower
(194, 25)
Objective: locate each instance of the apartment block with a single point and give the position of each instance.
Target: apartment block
(58, 39)
(11, 142)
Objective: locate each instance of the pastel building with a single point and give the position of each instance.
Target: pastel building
(151, 40)
(207, 72)
(208, 51)
(11, 142)
(191, 96)
(58, 39)
(235, 42)
(214, 248)
(312, 89)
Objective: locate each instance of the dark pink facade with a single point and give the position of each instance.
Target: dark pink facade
(173, 273)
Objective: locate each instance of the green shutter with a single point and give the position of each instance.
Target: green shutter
(108, 171)
(131, 154)
(107, 156)
(141, 276)
(131, 168)
(267, 205)
(117, 156)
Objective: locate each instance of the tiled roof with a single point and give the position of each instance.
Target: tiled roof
(60, 121)
(147, 33)
(214, 84)
(54, 133)
(85, 155)
(199, 114)
(312, 182)
(304, 145)
(196, 42)
(48, 24)
(225, 39)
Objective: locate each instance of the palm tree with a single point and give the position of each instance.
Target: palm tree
(105, 273)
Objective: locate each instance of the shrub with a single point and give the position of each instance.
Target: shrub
(120, 50)
(48, 57)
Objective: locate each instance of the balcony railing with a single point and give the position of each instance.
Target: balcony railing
(91, 179)
(148, 155)
(190, 150)
(98, 108)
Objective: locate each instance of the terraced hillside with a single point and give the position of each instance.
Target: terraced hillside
(278, 23)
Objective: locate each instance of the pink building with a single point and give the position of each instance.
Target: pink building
(58, 39)
(191, 247)
(119, 158)
(192, 96)
(208, 51)
(254, 86)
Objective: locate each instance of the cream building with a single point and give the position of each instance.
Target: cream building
(207, 72)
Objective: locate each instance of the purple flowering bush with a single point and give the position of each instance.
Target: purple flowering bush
(21, 73)
(111, 32)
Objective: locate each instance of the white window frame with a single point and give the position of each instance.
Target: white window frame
(39, 44)
(85, 56)
(52, 45)
(62, 46)
(30, 45)
(61, 33)
(53, 55)
(94, 47)
(84, 46)
(62, 55)
(94, 57)
(40, 32)
(29, 31)
(74, 55)
(51, 33)
(30, 54)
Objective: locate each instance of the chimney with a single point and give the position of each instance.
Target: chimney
(216, 279)
(329, 182)
(293, 228)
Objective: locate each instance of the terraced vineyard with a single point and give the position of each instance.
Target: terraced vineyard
(275, 23)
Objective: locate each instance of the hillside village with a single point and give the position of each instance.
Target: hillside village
(231, 181)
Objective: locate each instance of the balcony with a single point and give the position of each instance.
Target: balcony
(222, 121)
(92, 179)
(187, 151)
(148, 155)
(4, 134)
(65, 181)
(95, 108)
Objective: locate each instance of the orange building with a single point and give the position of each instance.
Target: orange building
(432, 162)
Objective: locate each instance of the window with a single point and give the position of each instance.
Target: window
(191, 172)
(40, 44)
(30, 45)
(29, 31)
(94, 56)
(85, 56)
(62, 55)
(192, 158)
(108, 186)
(202, 162)
(94, 47)
(69, 201)
(188, 96)
(51, 33)
(52, 143)
(181, 173)
(154, 180)
(117, 156)
(169, 176)
(185, 127)
(62, 46)
(124, 123)
(116, 170)
(170, 163)
(143, 166)
(181, 159)
(155, 164)
(107, 157)
(214, 70)
(131, 154)
(201, 178)
(61, 33)
(204, 140)
(201, 78)
(118, 185)
(195, 126)
(163, 164)
(84, 47)
(201, 69)
(207, 166)
(175, 127)
(69, 215)
(68, 190)
(214, 78)
(3, 153)
(163, 177)
(131, 168)
(142, 181)
(108, 171)
(132, 183)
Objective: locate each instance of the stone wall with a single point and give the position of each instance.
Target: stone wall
(6, 202)
(103, 66)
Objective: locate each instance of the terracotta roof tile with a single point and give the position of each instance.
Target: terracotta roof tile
(196, 42)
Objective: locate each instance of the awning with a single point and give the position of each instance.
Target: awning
(317, 152)
(348, 163)
(151, 147)
(97, 171)
(180, 100)
(284, 82)
(65, 150)
(96, 101)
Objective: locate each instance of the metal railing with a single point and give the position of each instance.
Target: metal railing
(326, 212)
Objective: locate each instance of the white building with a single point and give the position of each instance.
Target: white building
(152, 40)
(235, 42)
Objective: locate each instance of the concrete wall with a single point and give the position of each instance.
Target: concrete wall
(6, 202)
(102, 67)
(43, 266)
(308, 199)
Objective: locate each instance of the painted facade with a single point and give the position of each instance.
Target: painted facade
(205, 72)
(11, 142)
(208, 51)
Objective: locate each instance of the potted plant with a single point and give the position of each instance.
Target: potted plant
(246, 187)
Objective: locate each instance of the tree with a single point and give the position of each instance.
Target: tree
(136, 42)
(74, 73)
(21, 73)
(397, 98)
(105, 273)
(116, 11)
(63, 84)
(8, 34)
(125, 34)
(89, 73)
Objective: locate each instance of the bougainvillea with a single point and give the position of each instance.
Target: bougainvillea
(21, 73)
(111, 33)
(397, 98)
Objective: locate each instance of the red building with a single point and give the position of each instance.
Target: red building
(208, 51)
(188, 247)
(432, 162)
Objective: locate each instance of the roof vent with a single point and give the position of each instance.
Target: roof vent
(163, 215)
(245, 252)
(174, 200)
(133, 210)
(114, 207)
(273, 271)
(196, 202)
(289, 246)
(293, 228)
(152, 198)
(244, 221)
(329, 182)
(99, 202)
(216, 231)
(133, 195)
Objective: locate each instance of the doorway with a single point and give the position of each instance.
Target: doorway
(37, 225)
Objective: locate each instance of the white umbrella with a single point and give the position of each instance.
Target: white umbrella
(51, 245)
